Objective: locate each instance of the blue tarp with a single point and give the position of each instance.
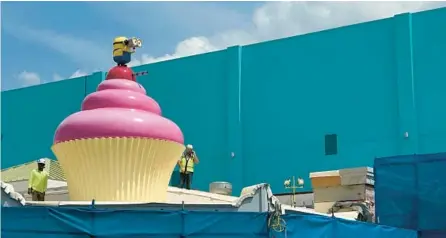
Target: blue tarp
(432, 234)
(410, 191)
(50, 222)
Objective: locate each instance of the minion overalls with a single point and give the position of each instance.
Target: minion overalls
(121, 51)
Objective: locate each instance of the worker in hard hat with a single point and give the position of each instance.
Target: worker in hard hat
(187, 163)
(38, 181)
(123, 48)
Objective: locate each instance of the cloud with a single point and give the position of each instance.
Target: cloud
(72, 47)
(191, 46)
(28, 78)
(275, 20)
(57, 77)
(272, 20)
(78, 73)
(185, 17)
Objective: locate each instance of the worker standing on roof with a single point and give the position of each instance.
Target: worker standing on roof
(186, 164)
(38, 181)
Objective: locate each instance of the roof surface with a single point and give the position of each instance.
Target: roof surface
(21, 172)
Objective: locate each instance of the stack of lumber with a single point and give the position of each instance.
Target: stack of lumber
(355, 185)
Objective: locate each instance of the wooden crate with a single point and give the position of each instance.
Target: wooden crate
(325, 179)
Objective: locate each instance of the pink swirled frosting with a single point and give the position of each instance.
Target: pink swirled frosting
(119, 108)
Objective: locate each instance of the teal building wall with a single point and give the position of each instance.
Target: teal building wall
(261, 112)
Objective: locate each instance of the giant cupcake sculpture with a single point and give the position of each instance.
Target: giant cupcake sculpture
(118, 147)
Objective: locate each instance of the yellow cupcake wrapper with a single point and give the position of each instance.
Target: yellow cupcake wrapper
(118, 169)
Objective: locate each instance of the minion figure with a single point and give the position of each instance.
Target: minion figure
(123, 47)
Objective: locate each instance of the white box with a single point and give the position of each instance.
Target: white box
(354, 176)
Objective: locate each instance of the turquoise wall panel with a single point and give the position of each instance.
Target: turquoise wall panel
(31, 115)
(192, 92)
(297, 90)
(93, 81)
(260, 113)
(430, 78)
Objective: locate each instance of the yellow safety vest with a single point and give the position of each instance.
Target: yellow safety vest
(38, 180)
(190, 164)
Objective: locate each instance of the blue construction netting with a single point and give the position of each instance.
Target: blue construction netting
(410, 191)
(432, 234)
(50, 222)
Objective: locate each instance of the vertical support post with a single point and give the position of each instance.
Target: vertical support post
(234, 118)
(408, 122)
(417, 203)
(183, 223)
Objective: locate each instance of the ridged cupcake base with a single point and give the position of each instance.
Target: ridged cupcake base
(118, 169)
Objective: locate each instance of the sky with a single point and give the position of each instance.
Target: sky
(53, 41)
